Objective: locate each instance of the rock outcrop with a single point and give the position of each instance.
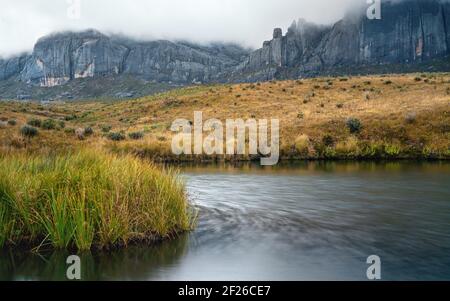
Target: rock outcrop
(59, 58)
(11, 67)
(410, 32)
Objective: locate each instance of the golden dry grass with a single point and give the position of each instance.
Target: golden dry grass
(403, 116)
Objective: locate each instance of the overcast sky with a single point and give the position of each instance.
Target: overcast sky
(247, 22)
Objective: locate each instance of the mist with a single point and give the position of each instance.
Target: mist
(246, 22)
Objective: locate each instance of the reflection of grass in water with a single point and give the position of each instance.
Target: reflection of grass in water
(133, 263)
(141, 263)
(316, 167)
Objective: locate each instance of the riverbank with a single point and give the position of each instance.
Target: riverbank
(88, 199)
(325, 218)
(353, 118)
(77, 175)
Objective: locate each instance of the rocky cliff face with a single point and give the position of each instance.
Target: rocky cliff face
(410, 32)
(11, 67)
(59, 58)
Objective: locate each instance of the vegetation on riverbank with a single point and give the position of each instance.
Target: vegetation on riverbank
(369, 117)
(87, 199)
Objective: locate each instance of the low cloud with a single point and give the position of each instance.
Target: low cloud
(247, 22)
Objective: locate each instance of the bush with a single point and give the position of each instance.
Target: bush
(392, 150)
(88, 199)
(106, 128)
(69, 130)
(302, 144)
(349, 147)
(29, 131)
(71, 117)
(136, 135)
(116, 136)
(49, 124)
(328, 140)
(354, 125)
(12, 122)
(88, 131)
(35, 122)
(61, 124)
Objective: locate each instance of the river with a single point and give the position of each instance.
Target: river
(303, 221)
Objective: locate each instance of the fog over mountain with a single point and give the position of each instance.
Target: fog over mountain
(247, 22)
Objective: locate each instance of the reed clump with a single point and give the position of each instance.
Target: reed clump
(88, 199)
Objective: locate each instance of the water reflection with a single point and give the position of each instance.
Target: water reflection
(135, 263)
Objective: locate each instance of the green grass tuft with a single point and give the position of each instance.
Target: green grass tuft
(88, 199)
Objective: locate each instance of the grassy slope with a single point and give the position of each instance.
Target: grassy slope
(312, 113)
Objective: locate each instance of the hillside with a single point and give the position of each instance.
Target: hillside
(400, 116)
(412, 36)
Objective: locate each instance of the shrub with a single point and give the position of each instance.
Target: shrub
(88, 131)
(340, 105)
(302, 144)
(29, 131)
(12, 122)
(328, 140)
(392, 150)
(106, 128)
(354, 125)
(349, 147)
(69, 130)
(116, 136)
(49, 124)
(88, 199)
(35, 122)
(136, 135)
(71, 117)
(61, 124)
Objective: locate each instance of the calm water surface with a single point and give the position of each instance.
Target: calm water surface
(310, 221)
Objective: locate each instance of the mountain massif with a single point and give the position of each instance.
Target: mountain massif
(412, 35)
